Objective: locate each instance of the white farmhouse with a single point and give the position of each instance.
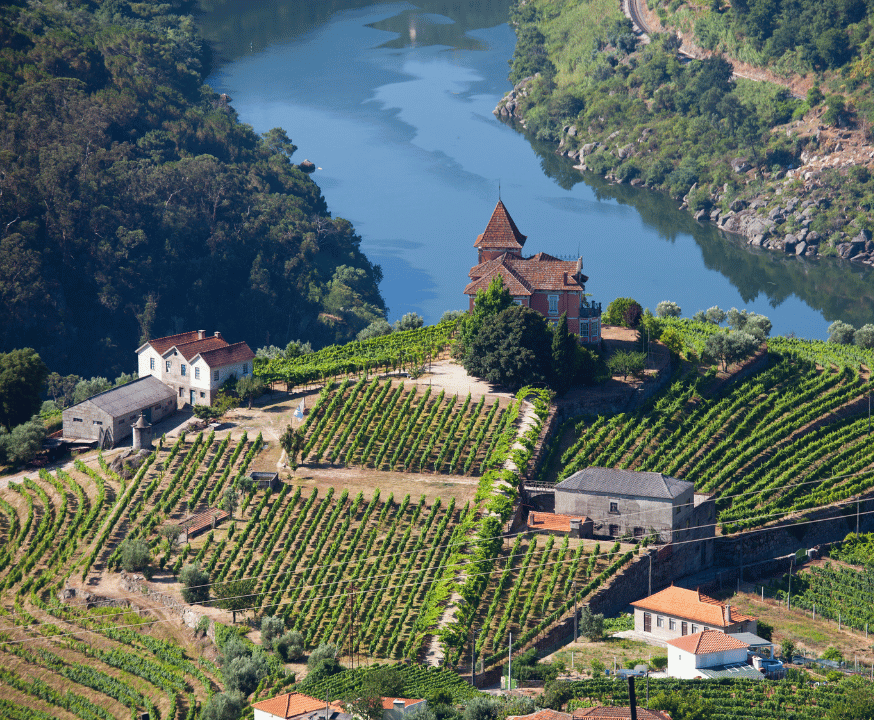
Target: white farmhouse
(194, 365)
(690, 656)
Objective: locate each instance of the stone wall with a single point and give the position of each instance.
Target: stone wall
(191, 618)
(542, 446)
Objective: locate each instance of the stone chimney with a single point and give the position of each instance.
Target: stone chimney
(727, 614)
(201, 334)
(399, 707)
(218, 335)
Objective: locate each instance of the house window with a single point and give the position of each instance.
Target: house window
(553, 304)
(202, 394)
(613, 529)
(660, 622)
(77, 420)
(151, 364)
(614, 506)
(638, 532)
(694, 628)
(584, 330)
(672, 625)
(97, 423)
(595, 329)
(215, 375)
(685, 629)
(245, 369)
(168, 366)
(180, 392)
(197, 373)
(517, 301)
(182, 371)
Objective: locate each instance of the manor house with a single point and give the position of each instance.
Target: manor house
(547, 284)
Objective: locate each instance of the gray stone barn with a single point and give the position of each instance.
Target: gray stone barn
(632, 503)
(108, 417)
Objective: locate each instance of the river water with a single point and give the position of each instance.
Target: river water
(393, 102)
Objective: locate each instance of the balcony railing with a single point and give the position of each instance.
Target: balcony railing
(593, 310)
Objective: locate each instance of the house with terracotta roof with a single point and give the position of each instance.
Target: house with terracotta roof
(679, 612)
(545, 714)
(690, 656)
(397, 708)
(194, 365)
(549, 285)
(297, 706)
(619, 713)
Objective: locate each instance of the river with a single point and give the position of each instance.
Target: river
(393, 102)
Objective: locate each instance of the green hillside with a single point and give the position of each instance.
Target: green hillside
(134, 203)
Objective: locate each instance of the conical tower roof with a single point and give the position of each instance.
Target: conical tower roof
(501, 232)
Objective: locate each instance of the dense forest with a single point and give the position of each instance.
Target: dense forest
(134, 204)
(642, 114)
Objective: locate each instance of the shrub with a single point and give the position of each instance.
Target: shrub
(290, 646)
(272, 627)
(864, 337)
(481, 707)
(223, 706)
(320, 653)
(615, 314)
(135, 554)
(409, 321)
(23, 442)
(376, 329)
(659, 662)
(840, 332)
(244, 673)
(325, 668)
(195, 583)
(715, 315)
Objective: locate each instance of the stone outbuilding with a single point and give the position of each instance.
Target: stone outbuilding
(109, 417)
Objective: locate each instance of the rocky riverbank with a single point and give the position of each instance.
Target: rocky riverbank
(773, 210)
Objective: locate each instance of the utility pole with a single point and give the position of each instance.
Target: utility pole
(510, 664)
(650, 573)
(575, 611)
(632, 699)
(473, 657)
(857, 513)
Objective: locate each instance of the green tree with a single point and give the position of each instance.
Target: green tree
(591, 624)
(730, 347)
(22, 375)
(615, 314)
(21, 445)
(512, 349)
(366, 700)
(487, 303)
(272, 627)
(787, 648)
(296, 348)
(376, 329)
(673, 339)
(321, 652)
(195, 583)
(565, 359)
(61, 388)
(864, 336)
(135, 554)
(292, 441)
(85, 389)
(715, 315)
(250, 388)
(229, 500)
(223, 705)
(242, 674)
(626, 363)
(277, 140)
(409, 321)
(290, 646)
(668, 309)
(235, 595)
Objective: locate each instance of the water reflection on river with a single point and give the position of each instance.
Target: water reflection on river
(393, 101)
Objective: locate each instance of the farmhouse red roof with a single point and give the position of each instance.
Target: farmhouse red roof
(707, 642)
(693, 605)
(525, 276)
(545, 714)
(192, 348)
(234, 353)
(538, 521)
(501, 232)
(162, 345)
(289, 705)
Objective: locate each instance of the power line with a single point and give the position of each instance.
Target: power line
(404, 585)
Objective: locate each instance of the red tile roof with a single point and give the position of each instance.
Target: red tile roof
(501, 232)
(163, 344)
(707, 642)
(620, 713)
(388, 703)
(525, 276)
(234, 353)
(546, 714)
(538, 521)
(693, 605)
(192, 348)
(289, 705)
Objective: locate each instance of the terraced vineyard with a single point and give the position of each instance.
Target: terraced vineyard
(393, 426)
(792, 437)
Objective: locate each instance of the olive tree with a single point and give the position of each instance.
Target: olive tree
(668, 309)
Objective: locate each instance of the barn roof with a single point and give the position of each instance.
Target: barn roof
(627, 483)
(133, 396)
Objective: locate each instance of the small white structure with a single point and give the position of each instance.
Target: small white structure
(707, 649)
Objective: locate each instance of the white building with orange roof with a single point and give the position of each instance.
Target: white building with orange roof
(193, 364)
(690, 656)
(676, 612)
(297, 706)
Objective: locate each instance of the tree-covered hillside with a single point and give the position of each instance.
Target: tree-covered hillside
(793, 169)
(133, 203)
